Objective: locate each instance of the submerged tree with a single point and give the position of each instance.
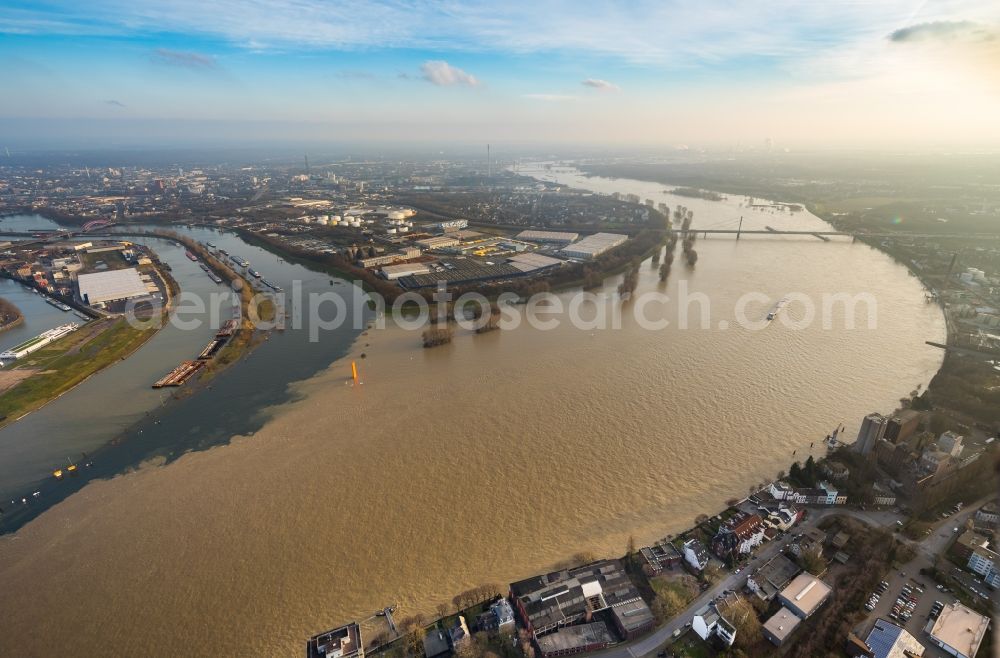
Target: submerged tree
(438, 336)
(628, 284)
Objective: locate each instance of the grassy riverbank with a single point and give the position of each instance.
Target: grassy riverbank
(59, 367)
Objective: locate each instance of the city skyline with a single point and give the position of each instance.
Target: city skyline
(850, 75)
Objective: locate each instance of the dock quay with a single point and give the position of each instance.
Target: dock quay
(180, 374)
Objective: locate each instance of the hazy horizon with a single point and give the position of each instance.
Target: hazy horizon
(899, 74)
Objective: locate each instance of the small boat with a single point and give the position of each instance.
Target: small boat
(57, 474)
(211, 245)
(254, 273)
(777, 309)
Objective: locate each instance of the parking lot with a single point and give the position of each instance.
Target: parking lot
(920, 611)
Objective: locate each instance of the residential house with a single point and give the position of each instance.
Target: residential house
(661, 555)
(459, 634)
(782, 518)
(770, 578)
(341, 642)
(985, 563)
(950, 443)
(708, 622)
(435, 643)
(835, 470)
(695, 555)
(810, 540)
(738, 535)
(968, 542)
(988, 515)
(498, 617)
(882, 496)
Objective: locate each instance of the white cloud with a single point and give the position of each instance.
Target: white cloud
(443, 74)
(600, 85)
(667, 33)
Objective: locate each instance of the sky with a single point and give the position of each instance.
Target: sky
(709, 73)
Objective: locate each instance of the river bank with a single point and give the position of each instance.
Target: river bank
(10, 315)
(485, 460)
(72, 360)
(120, 422)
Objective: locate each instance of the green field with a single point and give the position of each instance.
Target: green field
(112, 260)
(67, 362)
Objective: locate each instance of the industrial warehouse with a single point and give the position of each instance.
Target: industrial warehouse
(551, 605)
(101, 288)
(593, 246)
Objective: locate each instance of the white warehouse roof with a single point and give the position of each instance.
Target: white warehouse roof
(111, 286)
(594, 245)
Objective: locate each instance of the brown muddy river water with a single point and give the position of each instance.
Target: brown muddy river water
(485, 460)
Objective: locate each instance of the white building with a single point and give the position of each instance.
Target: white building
(988, 514)
(708, 622)
(780, 626)
(782, 519)
(805, 594)
(593, 245)
(984, 562)
(504, 613)
(696, 554)
(112, 286)
(958, 630)
(393, 272)
(556, 237)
